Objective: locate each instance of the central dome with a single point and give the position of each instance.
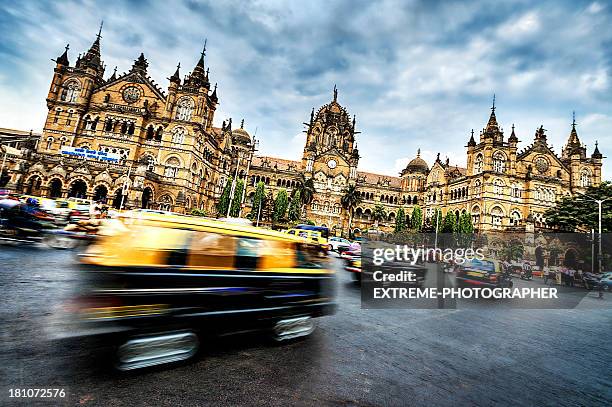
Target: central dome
(241, 136)
(417, 164)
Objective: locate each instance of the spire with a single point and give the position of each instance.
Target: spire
(540, 134)
(335, 93)
(214, 97)
(596, 153)
(573, 137)
(91, 59)
(176, 77)
(419, 152)
(63, 59)
(472, 142)
(140, 65)
(242, 124)
(199, 77)
(492, 125)
(113, 76)
(513, 137)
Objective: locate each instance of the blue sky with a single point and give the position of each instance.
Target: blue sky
(416, 74)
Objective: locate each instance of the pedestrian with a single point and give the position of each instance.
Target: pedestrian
(570, 277)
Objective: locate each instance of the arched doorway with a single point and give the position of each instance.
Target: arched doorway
(100, 194)
(147, 194)
(33, 187)
(78, 189)
(570, 259)
(118, 198)
(55, 188)
(539, 254)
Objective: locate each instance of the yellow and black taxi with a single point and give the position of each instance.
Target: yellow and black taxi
(164, 280)
(484, 273)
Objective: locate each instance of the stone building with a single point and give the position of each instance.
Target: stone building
(171, 157)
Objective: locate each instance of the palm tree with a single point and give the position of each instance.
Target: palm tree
(350, 199)
(306, 189)
(378, 214)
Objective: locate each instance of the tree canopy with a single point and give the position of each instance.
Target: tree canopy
(580, 212)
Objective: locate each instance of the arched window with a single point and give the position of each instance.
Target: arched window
(159, 133)
(478, 164)
(150, 133)
(108, 125)
(49, 143)
(63, 142)
(585, 178)
(499, 162)
(498, 187)
(496, 216)
(69, 117)
(515, 218)
(172, 165)
(130, 128)
(184, 109)
(150, 161)
(516, 191)
(58, 111)
(178, 135)
(70, 92)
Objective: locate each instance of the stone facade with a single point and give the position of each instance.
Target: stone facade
(173, 158)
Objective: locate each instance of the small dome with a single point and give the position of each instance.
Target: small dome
(417, 164)
(241, 136)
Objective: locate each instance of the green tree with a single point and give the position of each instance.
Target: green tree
(449, 225)
(295, 207)
(237, 199)
(581, 212)
(280, 206)
(350, 199)
(400, 221)
(416, 220)
(379, 213)
(465, 223)
(198, 212)
(306, 189)
(514, 250)
(224, 200)
(258, 201)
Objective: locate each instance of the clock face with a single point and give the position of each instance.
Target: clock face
(331, 164)
(541, 165)
(131, 94)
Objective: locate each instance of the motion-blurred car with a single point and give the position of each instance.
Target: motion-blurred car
(487, 273)
(339, 244)
(313, 236)
(167, 280)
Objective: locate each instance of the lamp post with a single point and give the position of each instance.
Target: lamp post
(599, 203)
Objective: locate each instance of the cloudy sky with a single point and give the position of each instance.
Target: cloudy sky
(416, 74)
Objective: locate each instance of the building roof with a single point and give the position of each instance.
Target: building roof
(372, 178)
(274, 162)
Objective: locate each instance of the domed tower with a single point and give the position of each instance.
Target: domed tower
(414, 177)
(241, 139)
(330, 141)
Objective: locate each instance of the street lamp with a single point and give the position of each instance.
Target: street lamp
(599, 203)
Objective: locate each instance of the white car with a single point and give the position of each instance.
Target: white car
(339, 244)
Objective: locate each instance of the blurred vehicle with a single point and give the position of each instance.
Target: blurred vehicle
(313, 236)
(353, 265)
(322, 229)
(339, 244)
(20, 223)
(590, 280)
(76, 203)
(606, 281)
(160, 284)
(485, 272)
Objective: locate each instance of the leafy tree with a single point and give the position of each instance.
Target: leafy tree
(280, 205)
(581, 213)
(267, 211)
(514, 250)
(258, 201)
(295, 207)
(465, 224)
(449, 225)
(224, 200)
(379, 213)
(237, 199)
(400, 220)
(306, 189)
(350, 199)
(416, 220)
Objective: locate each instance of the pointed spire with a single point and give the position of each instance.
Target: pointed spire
(99, 35)
(91, 59)
(493, 107)
(63, 59)
(419, 152)
(492, 125)
(199, 76)
(596, 153)
(335, 93)
(513, 137)
(176, 77)
(472, 142)
(113, 76)
(214, 97)
(202, 55)
(242, 124)
(354, 118)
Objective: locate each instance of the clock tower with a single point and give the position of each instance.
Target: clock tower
(330, 154)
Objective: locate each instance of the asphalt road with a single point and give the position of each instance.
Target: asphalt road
(356, 357)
